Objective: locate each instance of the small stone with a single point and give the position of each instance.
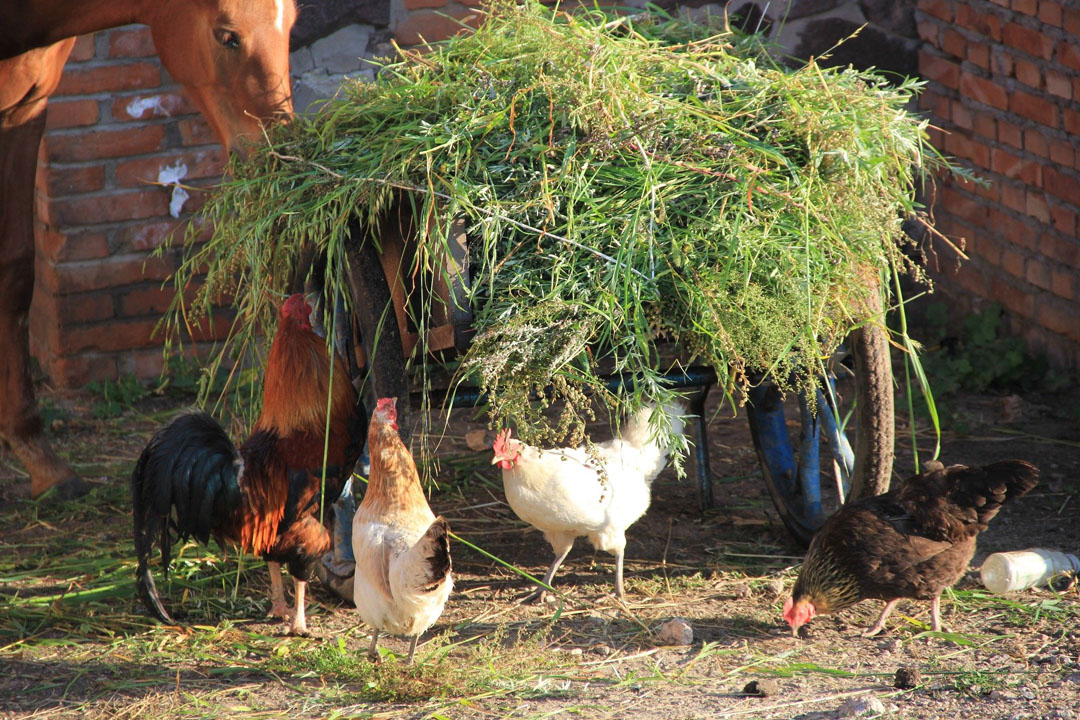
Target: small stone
(477, 440)
(576, 652)
(596, 620)
(602, 650)
(775, 586)
(676, 631)
(742, 591)
(1063, 713)
(57, 425)
(891, 645)
(907, 678)
(858, 706)
(550, 599)
(762, 688)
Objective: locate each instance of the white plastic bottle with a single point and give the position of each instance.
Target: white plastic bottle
(1008, 571)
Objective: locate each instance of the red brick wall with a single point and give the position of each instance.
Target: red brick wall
(1004, 94)
(98, 295)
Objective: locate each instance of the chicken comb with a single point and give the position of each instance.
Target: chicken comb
(500, 445)
(387, 407)
(296, 306)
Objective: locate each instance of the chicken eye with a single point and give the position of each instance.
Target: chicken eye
(227, 38)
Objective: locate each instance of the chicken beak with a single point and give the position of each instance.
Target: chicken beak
(495, 459)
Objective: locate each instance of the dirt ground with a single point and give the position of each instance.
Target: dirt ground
(726, 572)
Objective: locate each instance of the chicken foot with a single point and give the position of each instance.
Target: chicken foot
(279, 606)
(373, 649)
(298, 623)
(880, 624)
(540, 593)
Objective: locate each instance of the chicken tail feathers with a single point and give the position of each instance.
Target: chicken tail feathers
(189, 465)
(987, 488)
(638, 433)
(436, 548)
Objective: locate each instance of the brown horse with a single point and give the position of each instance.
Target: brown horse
(232, 56)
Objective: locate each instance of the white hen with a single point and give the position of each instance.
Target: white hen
(402, 550)
(563, 493)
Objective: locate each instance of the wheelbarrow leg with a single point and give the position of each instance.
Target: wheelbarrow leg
(704, 475)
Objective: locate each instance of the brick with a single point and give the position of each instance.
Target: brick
(1059, 84)
(965, 146)
(936, 104)
(1071, 21)
(428, 26)
(1013, 298)
(1028, 73)
(1063, 219)
(1050, 12)
(979, 53)
(76, 372)
(1034, 107)
(195, 130)
(1063, 249)
(1038, 273)
(56, 246)
(1063, 283)
(1029, 7)
(145, 301)
(1027, 40)
(62, 180)
(113, 77)
(81, 210)
(986, 24)
(116, 335)
(963, 206)
(71, 113)
(76, 309)
(939, 69)
(984, 246)
(1013, 197)
(1062, 153)
(941, 9)
(1012, 261)
(961, 115)
(131, 42)
(1037, 207)
(953, 43)
(1069, 53)
(929, 32)
(1015, 167)
(970, 278)
(1035, 143)
(1071, 121)
(99, 144)
(143, 364)
(419, 4)
(1010, 134)
(984, 91)
(985, 125)
(84, 49)
(142, 237)
(1059, 318)
(1062, 185)
(111, 272)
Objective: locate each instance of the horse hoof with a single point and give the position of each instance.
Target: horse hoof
(71, 489)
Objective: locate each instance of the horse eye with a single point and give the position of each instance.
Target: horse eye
(228, 38)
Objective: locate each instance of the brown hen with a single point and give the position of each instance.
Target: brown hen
(911, 542)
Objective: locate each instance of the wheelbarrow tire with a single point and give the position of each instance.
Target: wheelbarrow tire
(874, 411)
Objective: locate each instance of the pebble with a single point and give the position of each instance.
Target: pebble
(858, 706)
(742, 591)
(762, 688)
(1063, 713)
(676, 631)
(891, 645)
(601, 649)
(775, 586)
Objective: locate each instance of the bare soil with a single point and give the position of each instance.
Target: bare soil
(725, 571)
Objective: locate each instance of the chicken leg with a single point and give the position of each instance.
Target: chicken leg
(880, 624)
(279, 605)
(562, 547)
(298, 623)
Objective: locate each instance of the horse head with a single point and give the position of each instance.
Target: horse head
(232, 56)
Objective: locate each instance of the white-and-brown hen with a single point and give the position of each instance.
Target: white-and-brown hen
(402, 550)
(598, 493)
(911, 542)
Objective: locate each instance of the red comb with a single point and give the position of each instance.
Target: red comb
(385, 404)
(501, 437)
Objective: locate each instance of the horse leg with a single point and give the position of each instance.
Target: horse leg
(21, 428)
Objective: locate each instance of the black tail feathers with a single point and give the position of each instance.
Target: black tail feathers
(438, 535)
(190, 465)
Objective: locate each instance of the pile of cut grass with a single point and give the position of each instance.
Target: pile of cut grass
(624, 183)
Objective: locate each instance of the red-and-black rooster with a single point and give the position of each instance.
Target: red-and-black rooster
(264, 497)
